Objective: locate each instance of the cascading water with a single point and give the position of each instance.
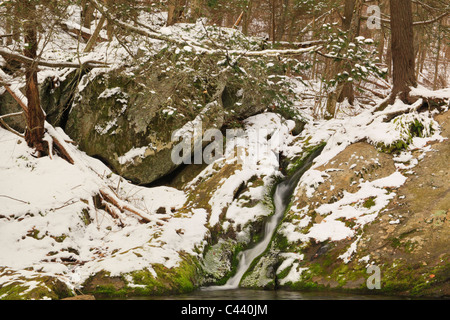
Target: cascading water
(281, 198)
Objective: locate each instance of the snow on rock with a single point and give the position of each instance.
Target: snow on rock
(48, 217)
(344, 217)
(265, 136)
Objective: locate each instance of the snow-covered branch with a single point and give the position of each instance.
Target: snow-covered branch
(273, 52)
(7, 53)
(421, 23)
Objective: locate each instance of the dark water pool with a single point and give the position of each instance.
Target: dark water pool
(248, 294)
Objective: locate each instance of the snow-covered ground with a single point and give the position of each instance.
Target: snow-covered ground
(47, 216)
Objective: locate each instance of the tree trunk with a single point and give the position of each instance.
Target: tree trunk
(402, 49)
(34, 134)
(273, 6)
(93, 39)
(247, 17)
(436, 65)
(87, 14)
(196, 8)
(352, 14)
(281, 26)
(176, 9)
(347, 90)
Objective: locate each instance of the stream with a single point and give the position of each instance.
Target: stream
(232, 291)
(281, 200)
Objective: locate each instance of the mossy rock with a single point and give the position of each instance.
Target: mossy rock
(35, 288)
(181, 279)
(140, 106)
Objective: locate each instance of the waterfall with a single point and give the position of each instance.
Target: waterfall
(281, 199)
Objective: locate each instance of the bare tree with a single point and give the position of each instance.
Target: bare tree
(402, 49)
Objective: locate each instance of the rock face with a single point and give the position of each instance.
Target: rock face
(56, 98)
(127, 117)
(404, 239)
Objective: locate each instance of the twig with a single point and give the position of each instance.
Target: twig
(7, 127)
(379, 95)
(15, 114)
(16, 97)
(1, 195)
(111, 197)
(421, 23)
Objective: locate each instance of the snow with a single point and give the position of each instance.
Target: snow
(133, 153)
(42, 220)
(339, 133)
(346, 256)
(259, 159)
(47, 209)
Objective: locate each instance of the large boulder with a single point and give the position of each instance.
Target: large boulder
(126, 117)
(368, 214)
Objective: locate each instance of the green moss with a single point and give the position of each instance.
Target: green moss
(37, 288)
(234, 264)
(369, 203)
(409, 130)
(414, 280)
(181, 279)
(300, 161)
(394, 147)
(284, 272)
(110, 291)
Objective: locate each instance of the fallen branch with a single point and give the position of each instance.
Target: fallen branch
(113, 211)
(7, 127)
(129, 27)
(379, 95)
(17, 98)
(275, 53)
(304, 44)
(52, 64)
(72, 27)
(385, 86)
(59, 144)
(238, 21)
(417, 23)
(93, 39)
(110, 196)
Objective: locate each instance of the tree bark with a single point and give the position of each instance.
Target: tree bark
(34, 135)
(402, 49)
(273, 9)
(247, 17)
(176, 8)
(281, 26)
(347, 90)
(436, 65)
(352, 16)
(87, 14)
